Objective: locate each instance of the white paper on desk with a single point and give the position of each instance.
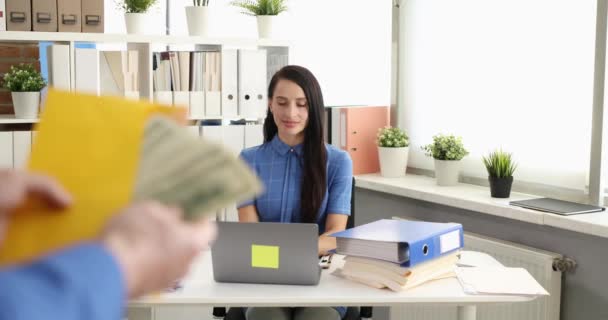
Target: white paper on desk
(499, 281)
(477, 259)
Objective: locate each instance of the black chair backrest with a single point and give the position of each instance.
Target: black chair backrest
(351, 219)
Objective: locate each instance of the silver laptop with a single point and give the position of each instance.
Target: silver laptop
(273, 253)
(556, 206)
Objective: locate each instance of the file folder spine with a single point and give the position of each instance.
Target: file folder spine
(18, 15)
(435, 246)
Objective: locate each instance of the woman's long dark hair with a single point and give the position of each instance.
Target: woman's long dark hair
(314, 176)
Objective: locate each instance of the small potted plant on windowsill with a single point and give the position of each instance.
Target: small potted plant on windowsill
(265, 11)
(447, 152)
(500, 168)
(136, 15)
(25, 83)
(198, 18)
(393, 148)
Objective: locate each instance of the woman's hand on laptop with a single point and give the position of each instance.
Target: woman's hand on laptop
(153, 245)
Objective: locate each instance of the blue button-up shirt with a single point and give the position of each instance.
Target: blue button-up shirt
(279, 166)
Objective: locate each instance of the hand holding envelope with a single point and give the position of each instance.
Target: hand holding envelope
(109, 152)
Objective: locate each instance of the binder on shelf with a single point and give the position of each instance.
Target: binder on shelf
(131, 95)
(2, 15)
(213, 96)
(163, 97)
(181, 99)
(181, 93)
(197, 85)
(354, 129)
(69, 15)
(18, 15)
(92, 14)
(87, 70)
(6, 149)
(44, 15)
(400, 241)
(213, 132)
(229, 87)
(234, 139)
(252, 83)
(254, 135)
(162, 79)
(58, 64)
(22, 146)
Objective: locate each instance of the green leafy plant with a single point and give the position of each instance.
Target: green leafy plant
(499, 164)
(200, 3)
(261, 7)
(23, 78)
(137, 6)
(389, 137)
(446, 148)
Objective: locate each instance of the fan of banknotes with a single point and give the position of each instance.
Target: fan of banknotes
(109, 152)
(199, 176)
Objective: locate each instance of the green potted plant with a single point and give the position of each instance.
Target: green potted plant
(447, 150)
(197, 16)
(25, 84)
(500, 168)
(136, 15)
(265, 11)
(393, 148)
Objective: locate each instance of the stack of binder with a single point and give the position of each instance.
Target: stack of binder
(399, 254)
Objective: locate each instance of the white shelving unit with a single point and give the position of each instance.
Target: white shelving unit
(29, 36)
(146, 45)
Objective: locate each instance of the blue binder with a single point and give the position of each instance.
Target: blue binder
(424, 240)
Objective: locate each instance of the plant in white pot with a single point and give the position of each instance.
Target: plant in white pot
(265, 12)
(501, 167)
(447, 152)
(25, 83)
(136, 15)
(393, 148)
(198, 18)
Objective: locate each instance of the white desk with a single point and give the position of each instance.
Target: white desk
(200, 289)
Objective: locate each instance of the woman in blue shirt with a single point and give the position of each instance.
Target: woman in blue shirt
(305, 180)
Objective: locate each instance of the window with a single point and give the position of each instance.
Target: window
(516, 75)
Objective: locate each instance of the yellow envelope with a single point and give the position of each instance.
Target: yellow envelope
(91, 145)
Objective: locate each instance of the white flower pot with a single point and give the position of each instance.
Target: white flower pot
(265, 26)
(198, 20)
(26, 104)
(138, 23)
(393, 161)
(446, 172)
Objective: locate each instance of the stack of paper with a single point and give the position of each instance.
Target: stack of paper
(498, 281)
(384, 274)
(108, 152)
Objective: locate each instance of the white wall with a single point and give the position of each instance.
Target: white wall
(346, 44)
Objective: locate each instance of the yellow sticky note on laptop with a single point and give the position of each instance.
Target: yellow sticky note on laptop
(264, 256)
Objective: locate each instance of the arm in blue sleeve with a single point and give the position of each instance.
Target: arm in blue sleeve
(82, 282)
(340, 185)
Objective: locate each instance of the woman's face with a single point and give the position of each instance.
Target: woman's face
(289, 109)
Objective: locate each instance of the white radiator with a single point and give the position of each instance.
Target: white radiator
(538, 262)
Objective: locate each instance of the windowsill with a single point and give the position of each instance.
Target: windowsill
(477, 198)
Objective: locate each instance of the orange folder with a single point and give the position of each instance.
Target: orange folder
(356, 133)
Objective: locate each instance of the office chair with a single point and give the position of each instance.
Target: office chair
(352, 313)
